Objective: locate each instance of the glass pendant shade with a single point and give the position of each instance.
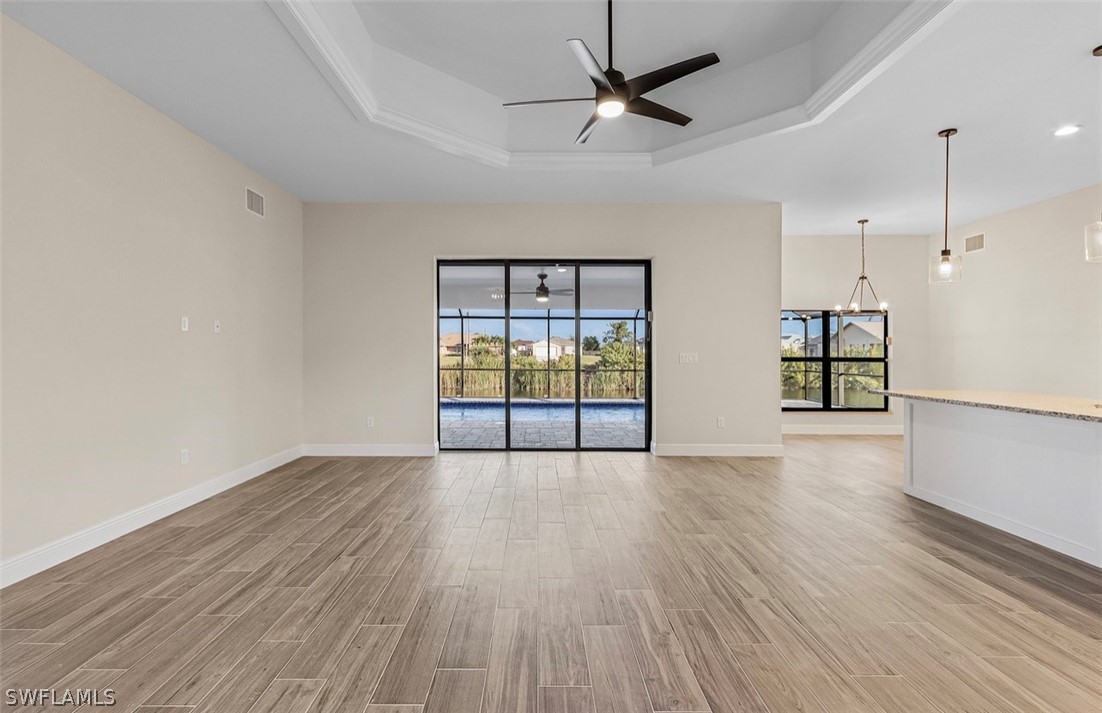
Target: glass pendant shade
(1092, 241)
(945, 268)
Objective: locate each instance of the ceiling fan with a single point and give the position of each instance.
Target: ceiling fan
(542, 291)
(616, 95)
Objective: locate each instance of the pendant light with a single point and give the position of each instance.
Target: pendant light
(857, 297)
(1092, 239)
(945, 267)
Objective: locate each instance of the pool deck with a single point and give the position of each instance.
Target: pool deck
(475, 434)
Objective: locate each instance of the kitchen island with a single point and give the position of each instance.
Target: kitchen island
(1028, 464)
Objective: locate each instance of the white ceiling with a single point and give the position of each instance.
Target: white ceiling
(512, 49)
(1006, 74)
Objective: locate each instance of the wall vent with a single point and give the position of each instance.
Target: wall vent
(254, 202)
(973, 243)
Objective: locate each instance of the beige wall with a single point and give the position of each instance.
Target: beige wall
(1027, 315)
(370, 333)
(117, 222)
(819, 271)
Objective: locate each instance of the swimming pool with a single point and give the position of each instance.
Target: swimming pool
(618, 411)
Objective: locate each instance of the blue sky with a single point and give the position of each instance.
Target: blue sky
(795, 326)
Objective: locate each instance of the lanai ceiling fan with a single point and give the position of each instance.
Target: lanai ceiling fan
(616, 95)
(542, 291)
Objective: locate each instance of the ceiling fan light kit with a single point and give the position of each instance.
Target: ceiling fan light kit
(615, 94)
(946, 267)
(610, 107)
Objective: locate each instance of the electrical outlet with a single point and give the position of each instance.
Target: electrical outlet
(217, 326)
(183, 324)
(721, 422)
(185, 456)
(688, 358)
(371, 422)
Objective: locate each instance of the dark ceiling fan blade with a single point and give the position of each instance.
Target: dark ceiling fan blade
(565, 291)
(653, 110)
(548, 101)
(589, 63)
(644, 83)
(588, 128)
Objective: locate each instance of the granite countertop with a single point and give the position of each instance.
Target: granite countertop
(1073, 407)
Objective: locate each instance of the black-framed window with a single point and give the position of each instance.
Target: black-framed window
(831, 361)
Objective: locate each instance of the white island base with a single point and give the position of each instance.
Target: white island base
(1033, 472)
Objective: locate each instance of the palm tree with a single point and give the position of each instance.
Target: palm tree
(618, 333)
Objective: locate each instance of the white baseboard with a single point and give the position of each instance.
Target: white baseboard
(717, 449)
(831, 429)
(42, 558)
(1054, 542)
(371, 449)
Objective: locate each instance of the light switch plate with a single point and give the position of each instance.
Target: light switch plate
(688, 358)
(217, 326)
(183, 324)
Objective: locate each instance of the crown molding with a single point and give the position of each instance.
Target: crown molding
(308, 27)
(901, 34)
(311, 25)
(564, 160)
(441, 138)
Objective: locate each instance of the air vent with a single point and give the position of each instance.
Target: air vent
(973, 243)
(254, 202)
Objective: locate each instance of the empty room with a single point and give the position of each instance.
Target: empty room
(551, 356)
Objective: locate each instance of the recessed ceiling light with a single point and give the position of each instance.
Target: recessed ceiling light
(562, 269)
(1066, 130)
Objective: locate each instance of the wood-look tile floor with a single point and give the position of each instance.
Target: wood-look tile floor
(555, 583)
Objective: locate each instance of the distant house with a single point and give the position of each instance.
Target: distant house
(522, 347)
(554, 348)
(854, 334)
(792, 341)
(451, 344)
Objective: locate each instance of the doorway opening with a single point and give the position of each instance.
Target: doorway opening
(543, 354)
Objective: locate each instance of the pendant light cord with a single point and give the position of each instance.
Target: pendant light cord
(862, 249)
(947, 135)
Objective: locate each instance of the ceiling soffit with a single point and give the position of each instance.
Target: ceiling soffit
(390, 90)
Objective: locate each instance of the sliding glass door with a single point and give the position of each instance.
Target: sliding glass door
(542, 368)
(548, 355)
(614, 356)
(471, 347)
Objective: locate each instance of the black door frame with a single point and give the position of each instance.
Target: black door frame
(576, 264)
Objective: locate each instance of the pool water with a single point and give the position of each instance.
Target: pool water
(604, 411)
